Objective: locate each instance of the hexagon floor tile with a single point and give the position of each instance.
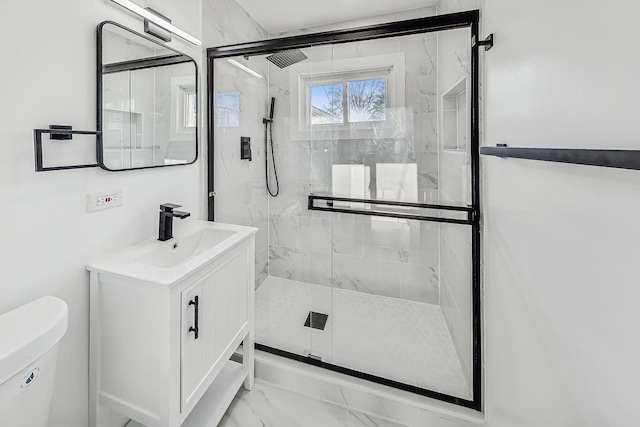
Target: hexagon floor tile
(393, 338)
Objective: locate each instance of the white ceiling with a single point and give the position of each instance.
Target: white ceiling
(277, 16)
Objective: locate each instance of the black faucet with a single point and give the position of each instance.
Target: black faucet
(166, 220)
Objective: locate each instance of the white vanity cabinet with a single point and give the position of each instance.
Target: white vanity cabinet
(221, 298)
(162, 334)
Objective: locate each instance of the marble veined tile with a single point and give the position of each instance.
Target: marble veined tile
(362, 419)
(425, 132)
(316, 234)
(284, 230)
(421, 55)
(450, 6)
(269, 406)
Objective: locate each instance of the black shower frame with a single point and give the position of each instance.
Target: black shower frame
(468, 19)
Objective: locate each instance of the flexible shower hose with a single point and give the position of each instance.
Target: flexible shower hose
(268, 132)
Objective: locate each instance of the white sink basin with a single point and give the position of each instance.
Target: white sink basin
(195, 243)
(181, 250)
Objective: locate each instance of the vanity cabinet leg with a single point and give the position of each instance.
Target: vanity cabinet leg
(248, 351)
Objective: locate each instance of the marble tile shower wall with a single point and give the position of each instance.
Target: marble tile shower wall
(452, 6)
(240, 188)
(455, 241)
(374, 20)
(225, 22)
(390, 257)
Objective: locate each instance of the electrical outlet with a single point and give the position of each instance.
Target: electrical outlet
(99, 201)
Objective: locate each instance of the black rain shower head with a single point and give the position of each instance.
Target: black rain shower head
(287, 57)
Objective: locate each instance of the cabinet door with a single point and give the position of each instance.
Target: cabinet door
(222, 297)
(191, 347)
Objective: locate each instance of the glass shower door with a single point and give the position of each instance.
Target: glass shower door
(372, 251)
(319, 112)
(394, 182)
(298, 288)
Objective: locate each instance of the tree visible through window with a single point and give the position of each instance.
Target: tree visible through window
(365, 101)
(327, 104)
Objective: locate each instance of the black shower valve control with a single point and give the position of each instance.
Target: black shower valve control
(245, 148)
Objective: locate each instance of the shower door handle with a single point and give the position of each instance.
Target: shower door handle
(194, 328)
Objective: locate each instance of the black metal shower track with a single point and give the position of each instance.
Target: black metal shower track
(467, 19)
(393, 29)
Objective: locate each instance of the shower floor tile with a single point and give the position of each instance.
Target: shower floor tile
(397, 339)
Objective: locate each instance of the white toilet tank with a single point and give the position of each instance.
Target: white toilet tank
(29, 337)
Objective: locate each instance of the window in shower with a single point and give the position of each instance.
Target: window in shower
(349, 96)
(327, 104)
(348, 101)
(367, 100)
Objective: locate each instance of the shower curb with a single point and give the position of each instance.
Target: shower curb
(364, 396)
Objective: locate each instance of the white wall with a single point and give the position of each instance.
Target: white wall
(48, 76)
(561, 243)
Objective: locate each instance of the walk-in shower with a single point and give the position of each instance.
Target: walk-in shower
(368, 260)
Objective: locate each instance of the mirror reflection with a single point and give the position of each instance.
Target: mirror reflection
(147, 102)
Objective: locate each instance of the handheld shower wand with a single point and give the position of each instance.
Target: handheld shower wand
(268, 134)
(273, 103)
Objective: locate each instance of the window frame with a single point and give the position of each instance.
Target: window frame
(391, 67)
(343, 79)
(181, 87)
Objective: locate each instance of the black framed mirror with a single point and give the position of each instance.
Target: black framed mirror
(147, 102)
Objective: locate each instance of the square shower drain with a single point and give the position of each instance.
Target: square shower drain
(316, 320)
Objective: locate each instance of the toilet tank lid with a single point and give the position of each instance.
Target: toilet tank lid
(28, 332)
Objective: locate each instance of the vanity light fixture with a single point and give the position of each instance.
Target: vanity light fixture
(151, 17)
(243, 68)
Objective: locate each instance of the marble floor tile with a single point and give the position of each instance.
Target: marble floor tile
(361, 419)
(270, 406)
